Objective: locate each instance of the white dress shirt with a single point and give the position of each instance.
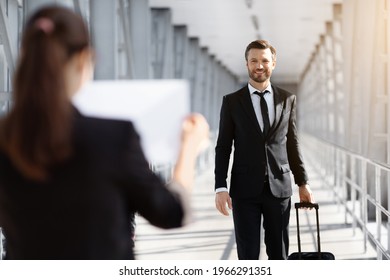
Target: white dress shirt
(269, 98)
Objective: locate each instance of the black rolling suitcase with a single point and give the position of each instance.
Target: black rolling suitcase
(309, 255)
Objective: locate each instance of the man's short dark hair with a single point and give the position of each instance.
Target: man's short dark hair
(262, 45)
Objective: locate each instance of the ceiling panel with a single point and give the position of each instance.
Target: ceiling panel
(226, 27)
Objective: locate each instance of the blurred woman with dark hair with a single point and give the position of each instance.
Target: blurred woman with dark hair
(69, 183)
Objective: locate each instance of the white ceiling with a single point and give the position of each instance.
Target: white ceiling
(227, 26)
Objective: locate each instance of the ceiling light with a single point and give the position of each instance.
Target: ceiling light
(255, 22)
(249, 3)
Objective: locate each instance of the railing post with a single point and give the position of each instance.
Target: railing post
(353, 193)
(364, 207)
(344, 194)
(388, 218)
(388, 235)
(337, 170)
(377, 209)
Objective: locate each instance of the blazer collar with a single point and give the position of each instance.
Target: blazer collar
(246, 102)
(279, 102)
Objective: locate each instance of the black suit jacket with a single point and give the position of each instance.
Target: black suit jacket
(82, 211)
(253, 152)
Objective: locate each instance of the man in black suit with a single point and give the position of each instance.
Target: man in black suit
(260, 120)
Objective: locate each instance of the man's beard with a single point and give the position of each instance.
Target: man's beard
(259, 79)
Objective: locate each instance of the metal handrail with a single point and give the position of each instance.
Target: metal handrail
(346, 174)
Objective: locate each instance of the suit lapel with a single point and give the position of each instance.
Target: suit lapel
(246, 102)
(279, 105)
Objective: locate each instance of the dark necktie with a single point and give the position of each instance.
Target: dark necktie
(264, 112)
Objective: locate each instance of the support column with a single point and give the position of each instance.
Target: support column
(338, 76)
(205, 83)
(199, 80)
(192, 72)
(105, 37)
(213, 94)
(162, 44)
(181, 52)
(126, 53)
(330, 90)
(140, 30)
(8, 33)
(10, 21)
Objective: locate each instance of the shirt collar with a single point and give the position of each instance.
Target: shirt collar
(253, 89)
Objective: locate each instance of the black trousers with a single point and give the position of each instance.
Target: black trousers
(247, 215)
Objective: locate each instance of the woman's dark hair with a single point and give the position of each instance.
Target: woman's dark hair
(36, 132)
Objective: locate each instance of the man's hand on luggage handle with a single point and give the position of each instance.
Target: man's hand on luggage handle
(305, 194)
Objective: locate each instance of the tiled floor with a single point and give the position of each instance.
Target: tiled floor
(211, 235)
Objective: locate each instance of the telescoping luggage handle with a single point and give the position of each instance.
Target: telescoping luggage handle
(308, 205)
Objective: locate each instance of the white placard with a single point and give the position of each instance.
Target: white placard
(156, 108)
